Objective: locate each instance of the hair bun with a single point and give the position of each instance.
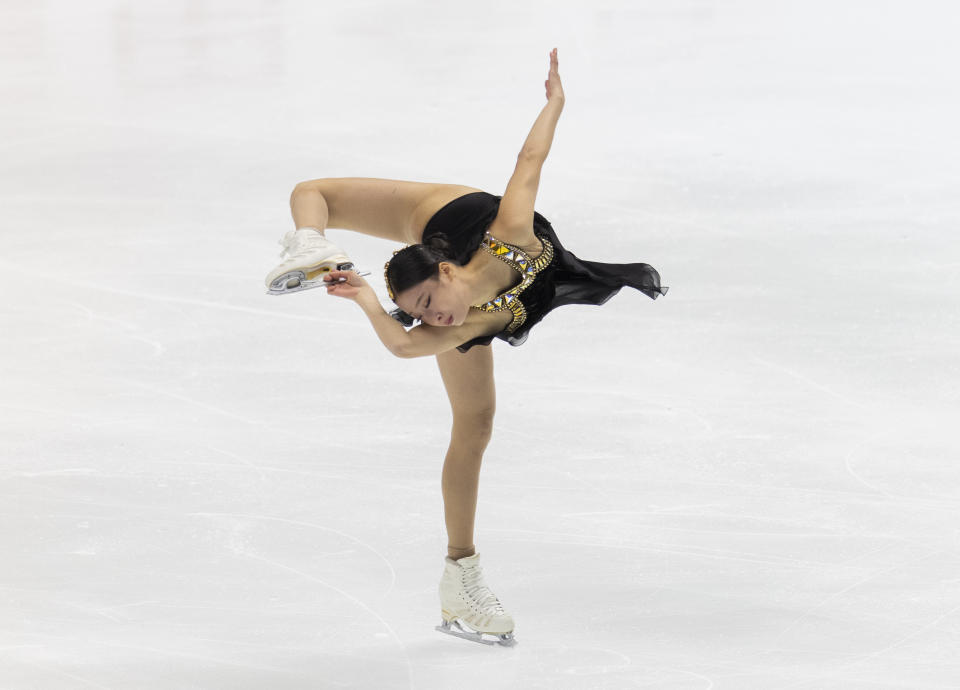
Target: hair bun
(414, 264)
(439, 243)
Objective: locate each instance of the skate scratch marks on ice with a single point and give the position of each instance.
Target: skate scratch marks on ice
(51, 669)
(872, 656)
(66, 471)
(167, 652)
(823, 602)
(706, 679)
(800, 377)
(586, 669)
(848, 460)
(53, 278)
(544, 537)
(158, 348)
(671, 512)
(300, 523)
(191, 401)
(936, 621)
(256, 468)
(114, 609)
(314, 578)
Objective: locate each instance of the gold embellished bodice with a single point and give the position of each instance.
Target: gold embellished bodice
(528, 268)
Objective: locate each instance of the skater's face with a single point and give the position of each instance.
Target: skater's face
(437, 301)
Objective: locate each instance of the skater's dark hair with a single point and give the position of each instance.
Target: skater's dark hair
(414, 264)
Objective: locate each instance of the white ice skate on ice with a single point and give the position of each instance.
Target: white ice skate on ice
(464, 596)
(308, 255)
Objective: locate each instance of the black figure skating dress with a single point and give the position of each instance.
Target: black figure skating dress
(567, 279)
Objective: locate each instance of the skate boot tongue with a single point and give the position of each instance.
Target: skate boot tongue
(466, 561)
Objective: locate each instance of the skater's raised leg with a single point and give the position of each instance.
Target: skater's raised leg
(390, 209)
(395, 210)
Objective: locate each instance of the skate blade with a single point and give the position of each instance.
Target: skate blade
(453, 628)
(296, 281)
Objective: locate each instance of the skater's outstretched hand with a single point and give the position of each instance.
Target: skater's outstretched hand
(345, 284)
(554, 87)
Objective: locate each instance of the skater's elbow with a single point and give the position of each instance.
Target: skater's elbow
(405, 351)
(411, 347)
(401, 350)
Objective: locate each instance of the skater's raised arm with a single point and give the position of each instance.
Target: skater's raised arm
(514, 221)
(538, 142)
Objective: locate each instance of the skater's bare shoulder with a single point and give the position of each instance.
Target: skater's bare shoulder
(427, 340)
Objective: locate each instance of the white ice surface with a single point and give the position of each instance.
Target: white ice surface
(753, 482)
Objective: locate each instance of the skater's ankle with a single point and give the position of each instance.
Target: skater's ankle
(456, 553)
(314, 228)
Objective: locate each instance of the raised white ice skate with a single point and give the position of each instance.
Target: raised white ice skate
(307, 255)
(465, 597)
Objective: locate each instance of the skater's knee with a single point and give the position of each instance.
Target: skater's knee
(474, 428)
(302, 188)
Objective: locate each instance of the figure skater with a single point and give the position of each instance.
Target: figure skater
(476, 267)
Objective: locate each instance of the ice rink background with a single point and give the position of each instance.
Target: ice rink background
(750, 483)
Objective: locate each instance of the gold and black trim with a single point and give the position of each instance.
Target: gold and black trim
(519, 260)
(386, 267)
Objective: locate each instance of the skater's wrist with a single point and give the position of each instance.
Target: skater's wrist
(367, 299)
(391, 333)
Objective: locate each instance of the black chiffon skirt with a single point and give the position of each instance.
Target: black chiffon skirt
(567, 280)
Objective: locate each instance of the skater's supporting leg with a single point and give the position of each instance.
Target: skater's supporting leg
(468, 378)
(461, 476)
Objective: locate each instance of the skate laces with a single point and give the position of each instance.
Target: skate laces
(298, 243)
(478, 590)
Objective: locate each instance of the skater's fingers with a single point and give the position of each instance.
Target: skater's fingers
(337, 277)
(340, 277)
